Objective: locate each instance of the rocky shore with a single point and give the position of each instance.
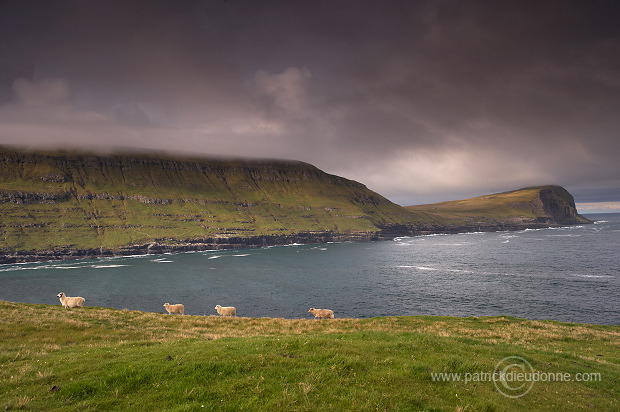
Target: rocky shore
(163, 246)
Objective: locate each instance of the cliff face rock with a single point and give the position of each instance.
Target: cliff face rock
(66, 205)
(559, 204)
(20, 197)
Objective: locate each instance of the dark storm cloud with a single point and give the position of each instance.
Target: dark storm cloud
(422, 101)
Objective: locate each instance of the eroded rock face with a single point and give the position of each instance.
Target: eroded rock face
(22, 197)
(559, 204)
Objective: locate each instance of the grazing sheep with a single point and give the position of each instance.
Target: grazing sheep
(67, 302)
(322, 313)
(178, 308)
(226, 311)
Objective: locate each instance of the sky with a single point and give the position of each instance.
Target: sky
(421, 101)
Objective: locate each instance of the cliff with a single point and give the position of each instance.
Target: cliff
(71, 204)
(531, 206)
(57, 205)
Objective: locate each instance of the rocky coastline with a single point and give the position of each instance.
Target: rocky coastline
(164, 246)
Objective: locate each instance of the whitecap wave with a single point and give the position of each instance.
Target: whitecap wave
(458, 270)
(128, 256)
(106, 266)
(428, 268)
(13, 269)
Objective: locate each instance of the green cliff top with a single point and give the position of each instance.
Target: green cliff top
(544, 204)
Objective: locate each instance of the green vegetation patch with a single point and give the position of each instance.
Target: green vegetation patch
(517, 206)
(101, 359)
(51, 201)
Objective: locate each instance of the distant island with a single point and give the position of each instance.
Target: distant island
(71, 205)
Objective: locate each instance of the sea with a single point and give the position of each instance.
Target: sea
(568, 274)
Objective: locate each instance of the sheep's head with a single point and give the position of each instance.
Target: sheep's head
(61, 295)
(311, 310)
(218, 307)
(166, 304)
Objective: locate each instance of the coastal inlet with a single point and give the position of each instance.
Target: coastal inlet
(565, 274)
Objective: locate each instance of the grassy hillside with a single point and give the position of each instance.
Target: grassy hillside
(61, 200)
(68, 205)
(95, 359)
(542, 204)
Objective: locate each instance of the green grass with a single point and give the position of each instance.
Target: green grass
(114, 201)
(104, 359)
(508, 207)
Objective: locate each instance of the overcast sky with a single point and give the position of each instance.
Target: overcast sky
(422, 101)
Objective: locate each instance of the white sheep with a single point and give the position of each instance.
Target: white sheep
(226, 311)
(67, 302)
(178, 308)
(322, 313)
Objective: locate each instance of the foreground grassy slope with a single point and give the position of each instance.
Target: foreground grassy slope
(96, 359)
(541, 204)
(63, 200)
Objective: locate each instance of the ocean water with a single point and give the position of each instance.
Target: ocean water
(567, 274)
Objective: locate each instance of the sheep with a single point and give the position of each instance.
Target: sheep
(226, 311)
(67, 302)
(322, 313)
(178, 308)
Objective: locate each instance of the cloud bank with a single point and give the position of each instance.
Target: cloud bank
(421, 101)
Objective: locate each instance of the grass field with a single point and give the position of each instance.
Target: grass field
(95, 359)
